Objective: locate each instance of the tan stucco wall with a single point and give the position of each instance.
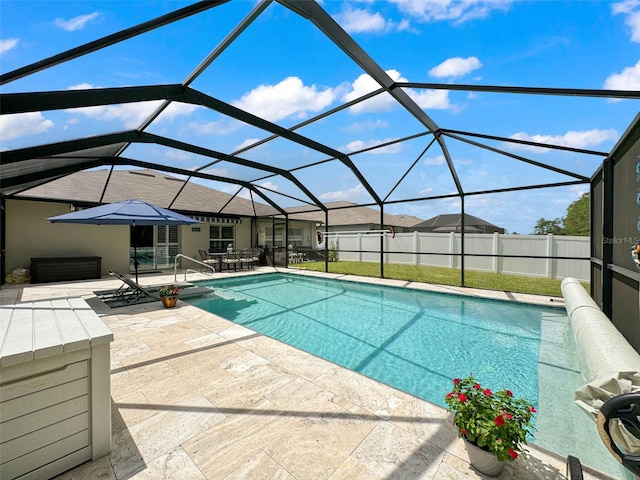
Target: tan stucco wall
(243, 234)
(192, 241)
(30, 234)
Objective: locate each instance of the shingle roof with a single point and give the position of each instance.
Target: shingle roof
(452, 220)
(349, 213)
(146, 185)
(160, 189)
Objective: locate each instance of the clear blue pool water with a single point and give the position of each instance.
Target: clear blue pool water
(419, 341)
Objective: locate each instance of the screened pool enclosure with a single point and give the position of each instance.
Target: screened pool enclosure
(366, 133)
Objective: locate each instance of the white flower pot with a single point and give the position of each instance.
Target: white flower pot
(483, 461)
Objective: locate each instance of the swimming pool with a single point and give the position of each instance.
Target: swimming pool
(419, 341)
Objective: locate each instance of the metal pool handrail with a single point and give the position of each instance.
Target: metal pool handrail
(175, 266)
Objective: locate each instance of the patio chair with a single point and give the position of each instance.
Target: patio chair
(129, 293)
(206, 259)
(231, 259)
(132, 293)
(255, 257)
(247, 259)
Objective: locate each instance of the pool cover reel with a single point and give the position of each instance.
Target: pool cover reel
(609, 364)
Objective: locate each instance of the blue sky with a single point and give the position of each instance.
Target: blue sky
(282, 68)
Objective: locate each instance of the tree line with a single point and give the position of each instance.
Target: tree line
(575, 222)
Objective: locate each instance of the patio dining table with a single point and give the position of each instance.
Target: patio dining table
(217, 257)
(240, 260)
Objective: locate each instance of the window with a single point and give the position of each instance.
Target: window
(167, 245)
(295, 236)
(219, 237)
(142, 247)
(279, 236)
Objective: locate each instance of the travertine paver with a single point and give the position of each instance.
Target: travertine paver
(198, 397)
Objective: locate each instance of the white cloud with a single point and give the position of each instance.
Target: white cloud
(455, 67)
(220, 172)
(359, 20)
(269, 185)
(23, 124)
(248, 194)
(432, 99)
(628, 79)
(217, 127)
(457, 10)
(289, 98)
(131, 114)
(246, 143)
(177, 109)
(179, 155)
(82, 86)
(358, 145)
(349, 194)
(631, 9)
(75, 23)
(240, 192)
(384, 102)
(359, 127)
(439, 160)
(365, 84)
(8, 44)
(625, 6)
(579, 190)
(575, 139)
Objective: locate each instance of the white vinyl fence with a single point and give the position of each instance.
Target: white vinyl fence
(433, 249)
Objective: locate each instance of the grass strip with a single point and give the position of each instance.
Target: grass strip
(445, 276)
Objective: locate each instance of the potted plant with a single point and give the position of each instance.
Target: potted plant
(168, 295)
(494, 425)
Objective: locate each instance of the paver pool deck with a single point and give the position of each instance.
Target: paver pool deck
(195, 396)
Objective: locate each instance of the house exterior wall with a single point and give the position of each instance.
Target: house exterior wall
(243, 234)
(29, 234)
(191, 241)
(308, 233)
(195, 237)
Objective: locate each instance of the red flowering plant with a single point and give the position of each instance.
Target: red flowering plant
(494, 421)
(168, 291)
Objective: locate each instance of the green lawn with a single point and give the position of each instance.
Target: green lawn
(445, 276)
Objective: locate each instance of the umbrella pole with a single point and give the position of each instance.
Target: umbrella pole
(135, 250)
(135, 260)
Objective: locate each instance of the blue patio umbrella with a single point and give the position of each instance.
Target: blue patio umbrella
(128, 212)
